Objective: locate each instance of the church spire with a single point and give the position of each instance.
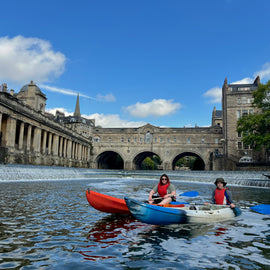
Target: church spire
(77, 109)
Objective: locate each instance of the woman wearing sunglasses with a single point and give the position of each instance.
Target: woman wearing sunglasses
(166, 191)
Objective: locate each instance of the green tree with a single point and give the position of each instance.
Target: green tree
(255, 127)
(148, 164)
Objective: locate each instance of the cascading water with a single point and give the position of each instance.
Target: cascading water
(35, 173)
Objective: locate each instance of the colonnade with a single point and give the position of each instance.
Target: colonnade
(22, 136)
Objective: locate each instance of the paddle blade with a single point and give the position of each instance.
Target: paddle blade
(190, 194)
(261, 208)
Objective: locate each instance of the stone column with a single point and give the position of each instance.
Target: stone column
(50, 144)
(83, 152)
(65, 148)
(21, 136)
(73, 150)
(44, 142)
(69, 148)
(55, 144)
(37, 140)
(28, 140)
(80, 152)
(61, 147)
(11, 131)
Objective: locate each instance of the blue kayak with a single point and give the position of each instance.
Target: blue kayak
(159, 215)
(154, 214)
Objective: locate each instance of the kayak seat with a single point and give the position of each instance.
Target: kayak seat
(192, 207)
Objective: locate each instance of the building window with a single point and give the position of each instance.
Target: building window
(148, 137)
(216, 141)
(128, 139)
(188, 140)
(238, 114)
(168, 140)
(250, 111)
(155, 140)
(244, 112)
(140, 140)
(202, 140)
(122, 139)
(97, 139)
(244, 100)
(110, 139)
(239, 134)
(161, 139)
(174, 139)
(135, 139)
(239, 101)
(239, 145)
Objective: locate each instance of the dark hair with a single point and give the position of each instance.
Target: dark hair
(164, 175)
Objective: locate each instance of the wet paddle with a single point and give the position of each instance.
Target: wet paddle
(190, 194)
(261, 208)
(185, 194)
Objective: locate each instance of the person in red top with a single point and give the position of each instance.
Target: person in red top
(222, 195)
(165, 190)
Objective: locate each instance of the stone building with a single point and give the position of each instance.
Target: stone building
(28, 135)
(76, 122)
(236, 102)
(133, 145)
(217, 118)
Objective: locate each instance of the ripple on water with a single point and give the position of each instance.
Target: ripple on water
(50, 225)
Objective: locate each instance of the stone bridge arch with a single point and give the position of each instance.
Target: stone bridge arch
(200, 164)
(109, 160)
(139, 158)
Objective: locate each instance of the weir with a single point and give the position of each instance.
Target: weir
(39, 173)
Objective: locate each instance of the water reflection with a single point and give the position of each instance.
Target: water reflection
(50, 225)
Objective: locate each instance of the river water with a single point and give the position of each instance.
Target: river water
(47, 223)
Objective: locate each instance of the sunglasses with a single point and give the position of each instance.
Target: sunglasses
(163, 178)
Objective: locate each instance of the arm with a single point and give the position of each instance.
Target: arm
(213, 197)
(229, 198)
(171, 191)
(152, 192)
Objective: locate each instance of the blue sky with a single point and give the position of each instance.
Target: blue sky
(134, 62)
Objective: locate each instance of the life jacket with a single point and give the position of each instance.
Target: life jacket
(162, 189)
(220, 196)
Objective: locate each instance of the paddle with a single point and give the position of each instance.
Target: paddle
(190, 194)
(261, 208)
(185, 194)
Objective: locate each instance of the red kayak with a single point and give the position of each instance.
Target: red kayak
(114, 205)
(106, 203)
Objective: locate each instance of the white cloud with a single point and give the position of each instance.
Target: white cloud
(63, 91)
(264, 73)
(246, 80)
(106, 98)
(156, 108)
(63, 110)
(106, 121)
(214, 94)
(112, 120)
(23, 59)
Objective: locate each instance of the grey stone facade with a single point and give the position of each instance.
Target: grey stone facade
(29, 136)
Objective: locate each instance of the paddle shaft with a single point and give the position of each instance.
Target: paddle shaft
(186, 194)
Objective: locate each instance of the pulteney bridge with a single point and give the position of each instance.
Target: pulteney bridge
(133, 145)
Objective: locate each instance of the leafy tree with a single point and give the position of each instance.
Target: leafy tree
(255, 127)
(148, 164)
